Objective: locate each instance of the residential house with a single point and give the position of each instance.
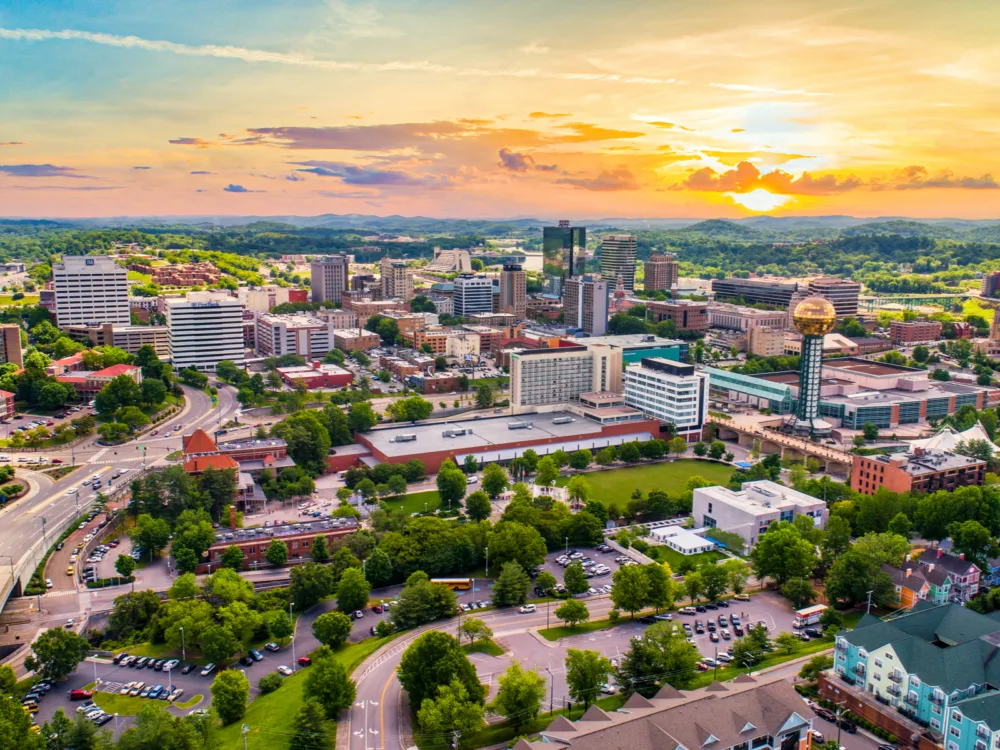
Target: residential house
(911, 586)
(961, 582)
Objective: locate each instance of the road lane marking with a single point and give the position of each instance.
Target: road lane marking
(381, 710)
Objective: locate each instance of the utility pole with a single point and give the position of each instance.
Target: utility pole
(243, 730)
(294, 663)
(839, 709)
(183, 646)
(870, 601)
(487, 561)
(551, 690)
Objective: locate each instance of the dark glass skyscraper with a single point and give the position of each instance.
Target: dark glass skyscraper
(564, 251)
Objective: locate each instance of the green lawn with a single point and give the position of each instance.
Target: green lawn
(483, 647)
(616, 485)
(143, 278)
(271, 717)
(415, 503)
(130, 705)
(29, 299)
(674, 558)
(564, 631)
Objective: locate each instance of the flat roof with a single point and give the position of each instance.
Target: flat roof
(628, 340)
(243, 444)
(285, 530)
(761, 497)
(489, 433)
(867, 367)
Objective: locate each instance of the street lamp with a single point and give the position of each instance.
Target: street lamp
(294, 663)
(183, 646)
(487, 561)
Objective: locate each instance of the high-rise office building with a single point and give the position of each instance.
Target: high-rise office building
(618, 258)
(661, 272)
(564, 251)
(10, 345)
(473, 294)
(90, 290)
(585, 304)
(540, 377)
(329, 278)
(669, 391)
(751, 291)
(842, 293)
(205, 328)
(514, 291)
(397, 279)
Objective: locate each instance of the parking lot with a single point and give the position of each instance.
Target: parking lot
(599, 579)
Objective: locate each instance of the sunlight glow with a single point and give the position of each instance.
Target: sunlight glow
(759, 200)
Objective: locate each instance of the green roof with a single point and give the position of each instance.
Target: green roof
(984, 707)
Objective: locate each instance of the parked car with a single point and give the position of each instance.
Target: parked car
(304, 661)
(256, 655)
(272, 647)
(80, 695)
(246, 661)
(189, 668)
(207, 670)
(284, 670)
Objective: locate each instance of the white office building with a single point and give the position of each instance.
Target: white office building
(205, 328)
(669, 391)
(753, 508)
(618, 259)
(90, 290)
(473, 294)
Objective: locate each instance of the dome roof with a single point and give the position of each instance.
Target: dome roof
(814, 316)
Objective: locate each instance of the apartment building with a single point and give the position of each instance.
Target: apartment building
(339, 318)
(450, 261)
(669, 391)
(661, 272)
(364, 307)
(618, 259)
(755, 506)
(766, 342)
(903, 333)
(303, 334)
(585, 304)
(262, 299)
(514, 291)
(542, 377)
(921, 471)
(842, 294)
(205, 328)
(90, 290)
(473, 294)
(397, 279)
(329, 278)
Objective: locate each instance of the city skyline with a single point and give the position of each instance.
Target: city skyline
(668, 109)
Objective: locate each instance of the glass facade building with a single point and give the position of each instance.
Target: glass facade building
(563, 254)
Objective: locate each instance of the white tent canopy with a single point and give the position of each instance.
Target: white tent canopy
(948, 438)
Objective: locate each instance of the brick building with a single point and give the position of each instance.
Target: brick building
(317, 375)
(433, 382)
(298, 536)
(914, 332)
(687, 315)
(353, 341)
(922, 471)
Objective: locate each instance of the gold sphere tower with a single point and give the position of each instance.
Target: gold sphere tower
(814, 317)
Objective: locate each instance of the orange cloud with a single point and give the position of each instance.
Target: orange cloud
(746, 178)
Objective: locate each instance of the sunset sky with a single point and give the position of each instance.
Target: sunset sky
(547, 108)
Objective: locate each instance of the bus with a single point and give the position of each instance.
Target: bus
(455, 584)
(808, 616)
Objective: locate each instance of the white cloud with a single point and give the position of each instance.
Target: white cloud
(359, 19)
(535, 48)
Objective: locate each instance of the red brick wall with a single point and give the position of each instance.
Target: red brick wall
(335, 463)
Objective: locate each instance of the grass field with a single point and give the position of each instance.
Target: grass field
(616, 485)
(143, 278)
(564, 631)
(271, 717)
(7, 301)
(415, 503)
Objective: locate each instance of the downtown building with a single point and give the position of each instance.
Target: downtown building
(618, 253)
(585, 304)
(564, 254)
(543, 377)
(513, 291)
(756, 291)
(329, 278)
(205, 328)
(661, 272)
(473, 294)
(90, 290)
(396, 279)
(298, 333)
(842, 294)
(670, 392)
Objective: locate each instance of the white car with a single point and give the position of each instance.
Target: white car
(593, 591)
(284, 670)
(472, 479)
(527, 609)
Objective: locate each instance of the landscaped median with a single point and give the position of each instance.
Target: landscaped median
(271, 717)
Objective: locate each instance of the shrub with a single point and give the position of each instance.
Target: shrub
(270, 682)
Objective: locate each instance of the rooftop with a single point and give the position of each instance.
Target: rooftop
(867, 367)
(928, 462)
(236, 445)
(199, 464)
(114, 371)
(304, 371)
(760, 497)
(292, 320)
(198, 441)
(484, 434)
(630, 340)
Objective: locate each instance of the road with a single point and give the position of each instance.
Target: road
(21, 524)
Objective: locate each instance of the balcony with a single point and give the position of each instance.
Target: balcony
(859, 670)
(896, 677)
(912, 700)
(937, 700)
(893, 690)
(848, 679)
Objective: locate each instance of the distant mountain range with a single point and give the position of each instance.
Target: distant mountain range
(751, 228)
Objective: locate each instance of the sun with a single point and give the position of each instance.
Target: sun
(759, 200)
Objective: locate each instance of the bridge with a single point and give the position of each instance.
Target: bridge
(832, 460)
(910, 301)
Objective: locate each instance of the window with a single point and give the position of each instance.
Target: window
(956, 715)
(935, 724)
(914, 680)
(954, 731)
(878, 662)
(763, 741)
(862, 654)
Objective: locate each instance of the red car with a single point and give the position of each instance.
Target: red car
(55, 461)
(80, 695)
(304, 661)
